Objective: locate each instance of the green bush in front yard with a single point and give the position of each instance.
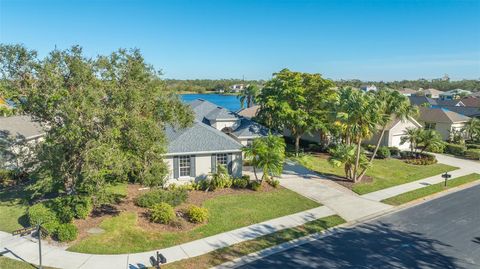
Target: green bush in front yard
(273, 182)
(473, 146)
(383, 152)
(162, 213)
(39, 214)
(454, 149)
(394, 151)
(172, 197)
(473, 154)
(241, 183)
(437, 148)
(83, 207)
(66, 232)
(255, 185)
(197, 214)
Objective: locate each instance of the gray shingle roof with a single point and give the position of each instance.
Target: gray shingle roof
(199, 138)
(249, 128)
(221, 113)
(466, 111)
(22, 126)
(419, 100)
(441, 115)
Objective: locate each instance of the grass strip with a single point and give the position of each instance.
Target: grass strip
(230, 253)
(7, 263)
(426, 191)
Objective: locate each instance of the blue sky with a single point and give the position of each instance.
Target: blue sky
(369, 40)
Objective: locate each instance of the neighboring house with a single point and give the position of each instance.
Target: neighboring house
(472, 112)
(241, 129)
(422, 100)
(455, 102)
(454, 94)
(394, 132)
(249, 112)
(237, 87)
(471, 101)
(442, 120)
(17, 135)
(407, 91)
(430, 93)
(368, 88)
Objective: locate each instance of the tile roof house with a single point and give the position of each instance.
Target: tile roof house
(249, 112)
(442, 120)
(471, 101)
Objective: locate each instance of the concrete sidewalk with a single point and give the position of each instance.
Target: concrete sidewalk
(26, 249)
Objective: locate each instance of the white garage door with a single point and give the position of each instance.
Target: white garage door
(396, 142)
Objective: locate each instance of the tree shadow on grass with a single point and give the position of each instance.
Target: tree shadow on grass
(376, 245)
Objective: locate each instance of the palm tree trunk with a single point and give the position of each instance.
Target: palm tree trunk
(357, 160)
(374, 153)
(255, 173)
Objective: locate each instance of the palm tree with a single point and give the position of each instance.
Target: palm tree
(346, 155)
(267, 153)
(391, 105)
(412, 136)
(248, 96)
(472, 129)
(430, 138)
(356, 113)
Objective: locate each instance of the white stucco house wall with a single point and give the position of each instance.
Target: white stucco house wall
(394, 132)
(442, 120)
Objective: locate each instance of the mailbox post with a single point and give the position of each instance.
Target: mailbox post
(446, 176)
(39, 230)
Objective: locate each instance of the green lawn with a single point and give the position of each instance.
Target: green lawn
(226, 213)
(426, 191)
(6, 263)
(226, 254)
(385, 173)
(12, 209)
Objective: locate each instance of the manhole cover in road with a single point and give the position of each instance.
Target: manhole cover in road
(96, 230)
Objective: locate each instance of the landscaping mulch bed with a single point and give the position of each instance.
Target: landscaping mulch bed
(127, 204)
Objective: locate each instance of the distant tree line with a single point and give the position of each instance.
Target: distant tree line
(442, 85)
(206, 85)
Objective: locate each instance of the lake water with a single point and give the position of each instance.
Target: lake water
(230, 102)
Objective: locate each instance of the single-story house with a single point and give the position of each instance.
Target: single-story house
(471, 101)
(394, 131)
(407, 91)
(422, 100)
(430, 93)
(472, 112)
(249, 112)
(368, 88)
(442, 120)
(23, 132)
(454, 94)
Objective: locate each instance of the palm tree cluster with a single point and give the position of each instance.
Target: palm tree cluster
(426, 138)
(472, 130)
(357, 117)
(267, 153)
(248, 95)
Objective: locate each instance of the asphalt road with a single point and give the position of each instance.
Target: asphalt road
(442, 233)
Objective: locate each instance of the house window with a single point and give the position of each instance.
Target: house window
(430, 125)
(184, 166)
(222, 159)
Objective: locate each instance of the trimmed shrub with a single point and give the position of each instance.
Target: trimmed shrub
(62, 206)
(273, 182)
(473, 154)
(255, 185)
(219, 180)
(454, 149)
(383, 152)
(394, 151)
(162, 213)
(197, 214)
(66, 232)
(83, 207)
(172, 197)
(440, 148)
(240, 183)
(473, 146)
(40, 214)
(418, 158)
